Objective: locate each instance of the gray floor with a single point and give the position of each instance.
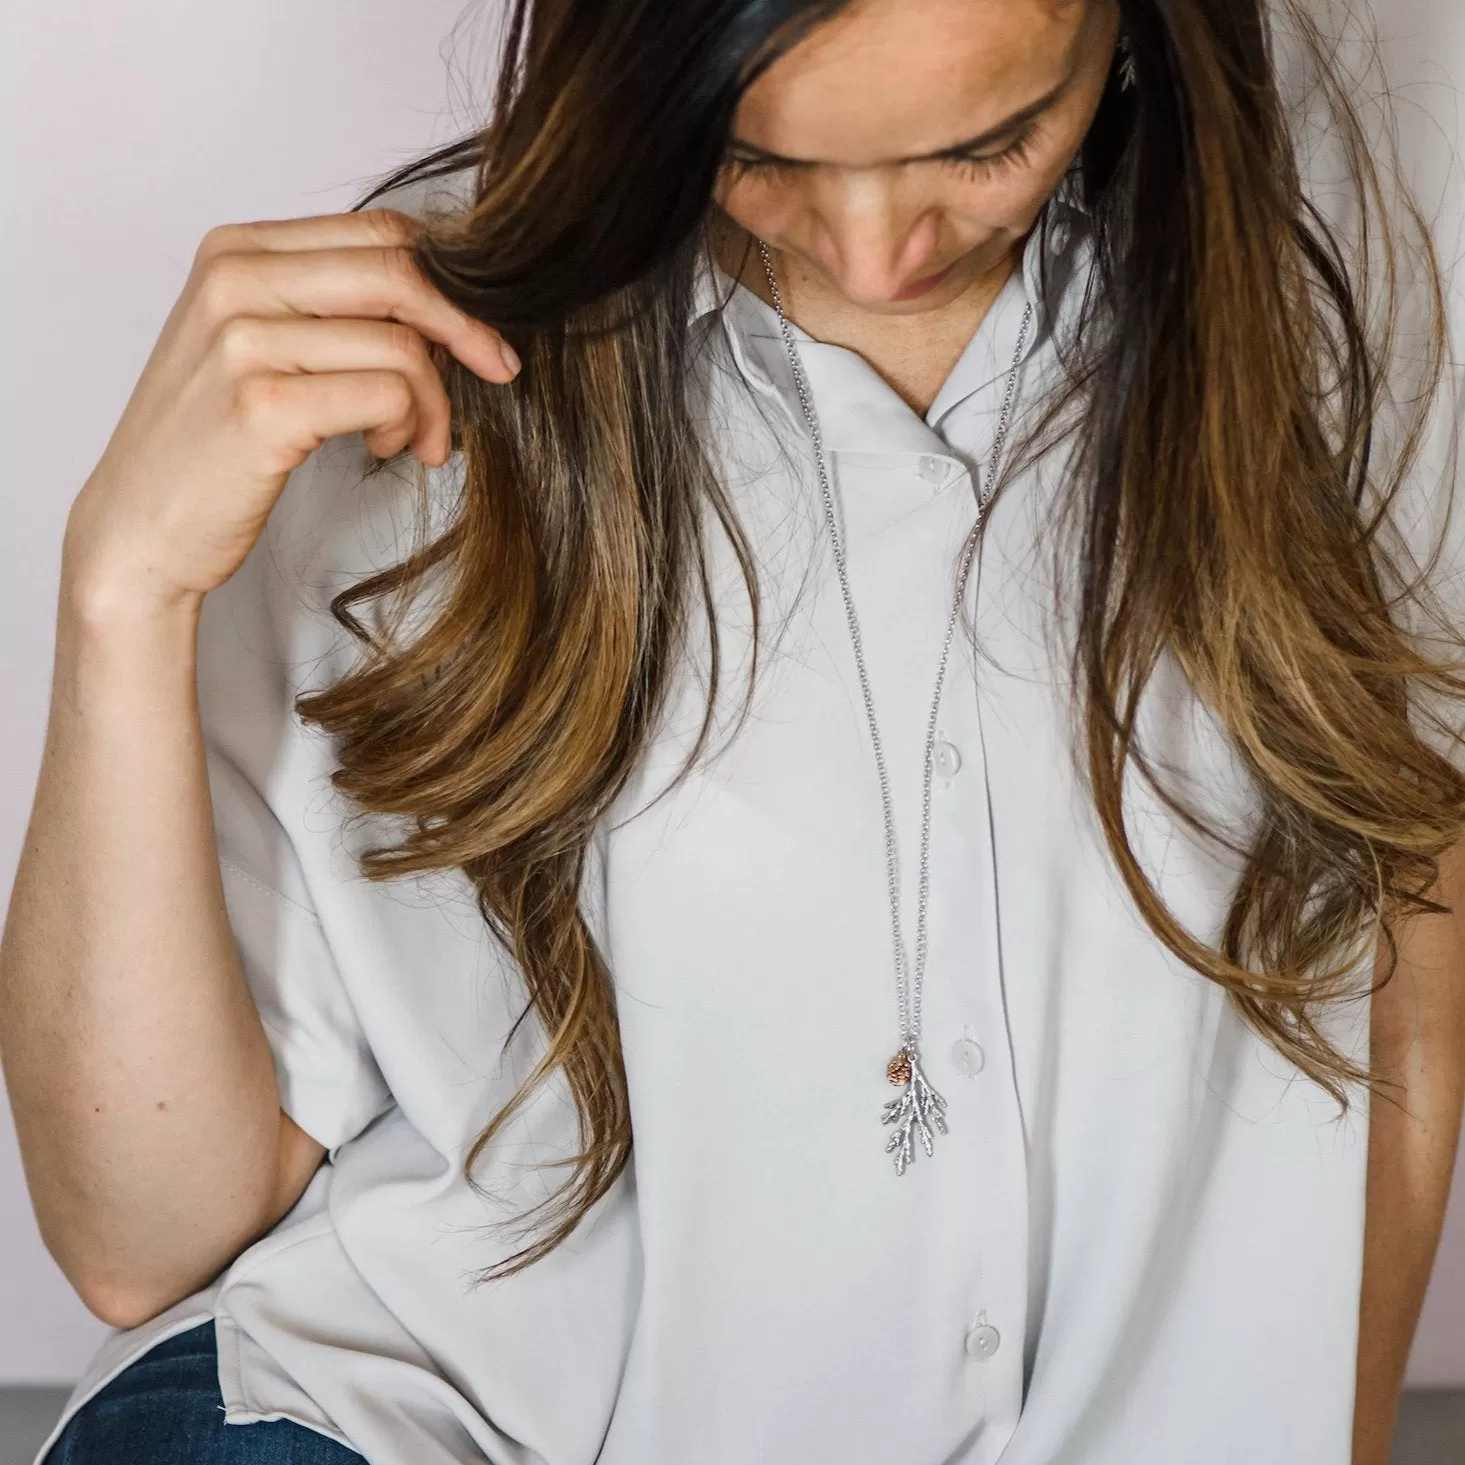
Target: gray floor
(26, 1417)
(1431, 1426)
(1431, 1429)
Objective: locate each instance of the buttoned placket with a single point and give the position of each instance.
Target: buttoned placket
(968, 1039)
(888, 464)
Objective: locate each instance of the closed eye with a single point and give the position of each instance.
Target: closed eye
(739, 163)
(1016, 153)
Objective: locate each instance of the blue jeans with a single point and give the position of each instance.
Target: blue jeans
(165, 1409)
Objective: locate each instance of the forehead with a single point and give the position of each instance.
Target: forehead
(897, 78)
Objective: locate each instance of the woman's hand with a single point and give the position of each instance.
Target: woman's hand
(286, 334)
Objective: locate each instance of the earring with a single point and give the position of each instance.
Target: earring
(1128, 75)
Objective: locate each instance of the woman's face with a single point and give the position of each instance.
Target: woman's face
(905, 147)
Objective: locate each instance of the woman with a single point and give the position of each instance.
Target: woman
(967, 901)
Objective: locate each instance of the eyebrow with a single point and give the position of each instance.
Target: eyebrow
(989, 138)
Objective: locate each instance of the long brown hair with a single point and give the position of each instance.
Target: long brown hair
(1225, 400)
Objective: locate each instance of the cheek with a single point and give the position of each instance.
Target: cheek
(760, 206)
(777, 209)
(973, 210)
(1009, 200)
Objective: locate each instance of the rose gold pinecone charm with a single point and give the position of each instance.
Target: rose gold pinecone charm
(898, 1070)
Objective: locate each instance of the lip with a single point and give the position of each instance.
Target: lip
(918, 288)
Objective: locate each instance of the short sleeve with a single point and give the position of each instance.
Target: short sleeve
(328, 1078)
(266, 637)
(1427, 519)
(1413, 127)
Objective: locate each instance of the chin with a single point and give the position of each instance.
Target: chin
(924, 306)
(936, 298)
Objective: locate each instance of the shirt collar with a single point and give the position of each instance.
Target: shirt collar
(857, 409)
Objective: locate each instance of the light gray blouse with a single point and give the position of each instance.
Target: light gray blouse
(1139, 1244)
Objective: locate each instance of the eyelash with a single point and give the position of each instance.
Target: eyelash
(1012, 156)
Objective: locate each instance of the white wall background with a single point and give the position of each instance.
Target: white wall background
(126, 131)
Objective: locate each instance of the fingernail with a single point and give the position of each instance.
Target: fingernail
(511, 357)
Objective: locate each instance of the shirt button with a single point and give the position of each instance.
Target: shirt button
(946, 760)
(968, 1057)
(933, 470)
(982, 1341)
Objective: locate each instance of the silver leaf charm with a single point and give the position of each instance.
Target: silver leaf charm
(917, 1110)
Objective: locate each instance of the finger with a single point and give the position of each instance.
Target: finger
(381, 282)
(295, 414)
(247, 345)
(364, 227)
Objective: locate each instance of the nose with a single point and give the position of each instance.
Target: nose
(872, 242)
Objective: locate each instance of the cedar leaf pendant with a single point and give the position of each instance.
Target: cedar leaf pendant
(917, 1111)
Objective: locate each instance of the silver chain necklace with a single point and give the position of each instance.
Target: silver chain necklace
(919, 1108)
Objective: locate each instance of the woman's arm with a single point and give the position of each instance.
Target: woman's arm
(142, 1085)
(1418, 1040)
(140, 1075)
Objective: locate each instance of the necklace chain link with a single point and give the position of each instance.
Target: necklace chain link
(921, 1103)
